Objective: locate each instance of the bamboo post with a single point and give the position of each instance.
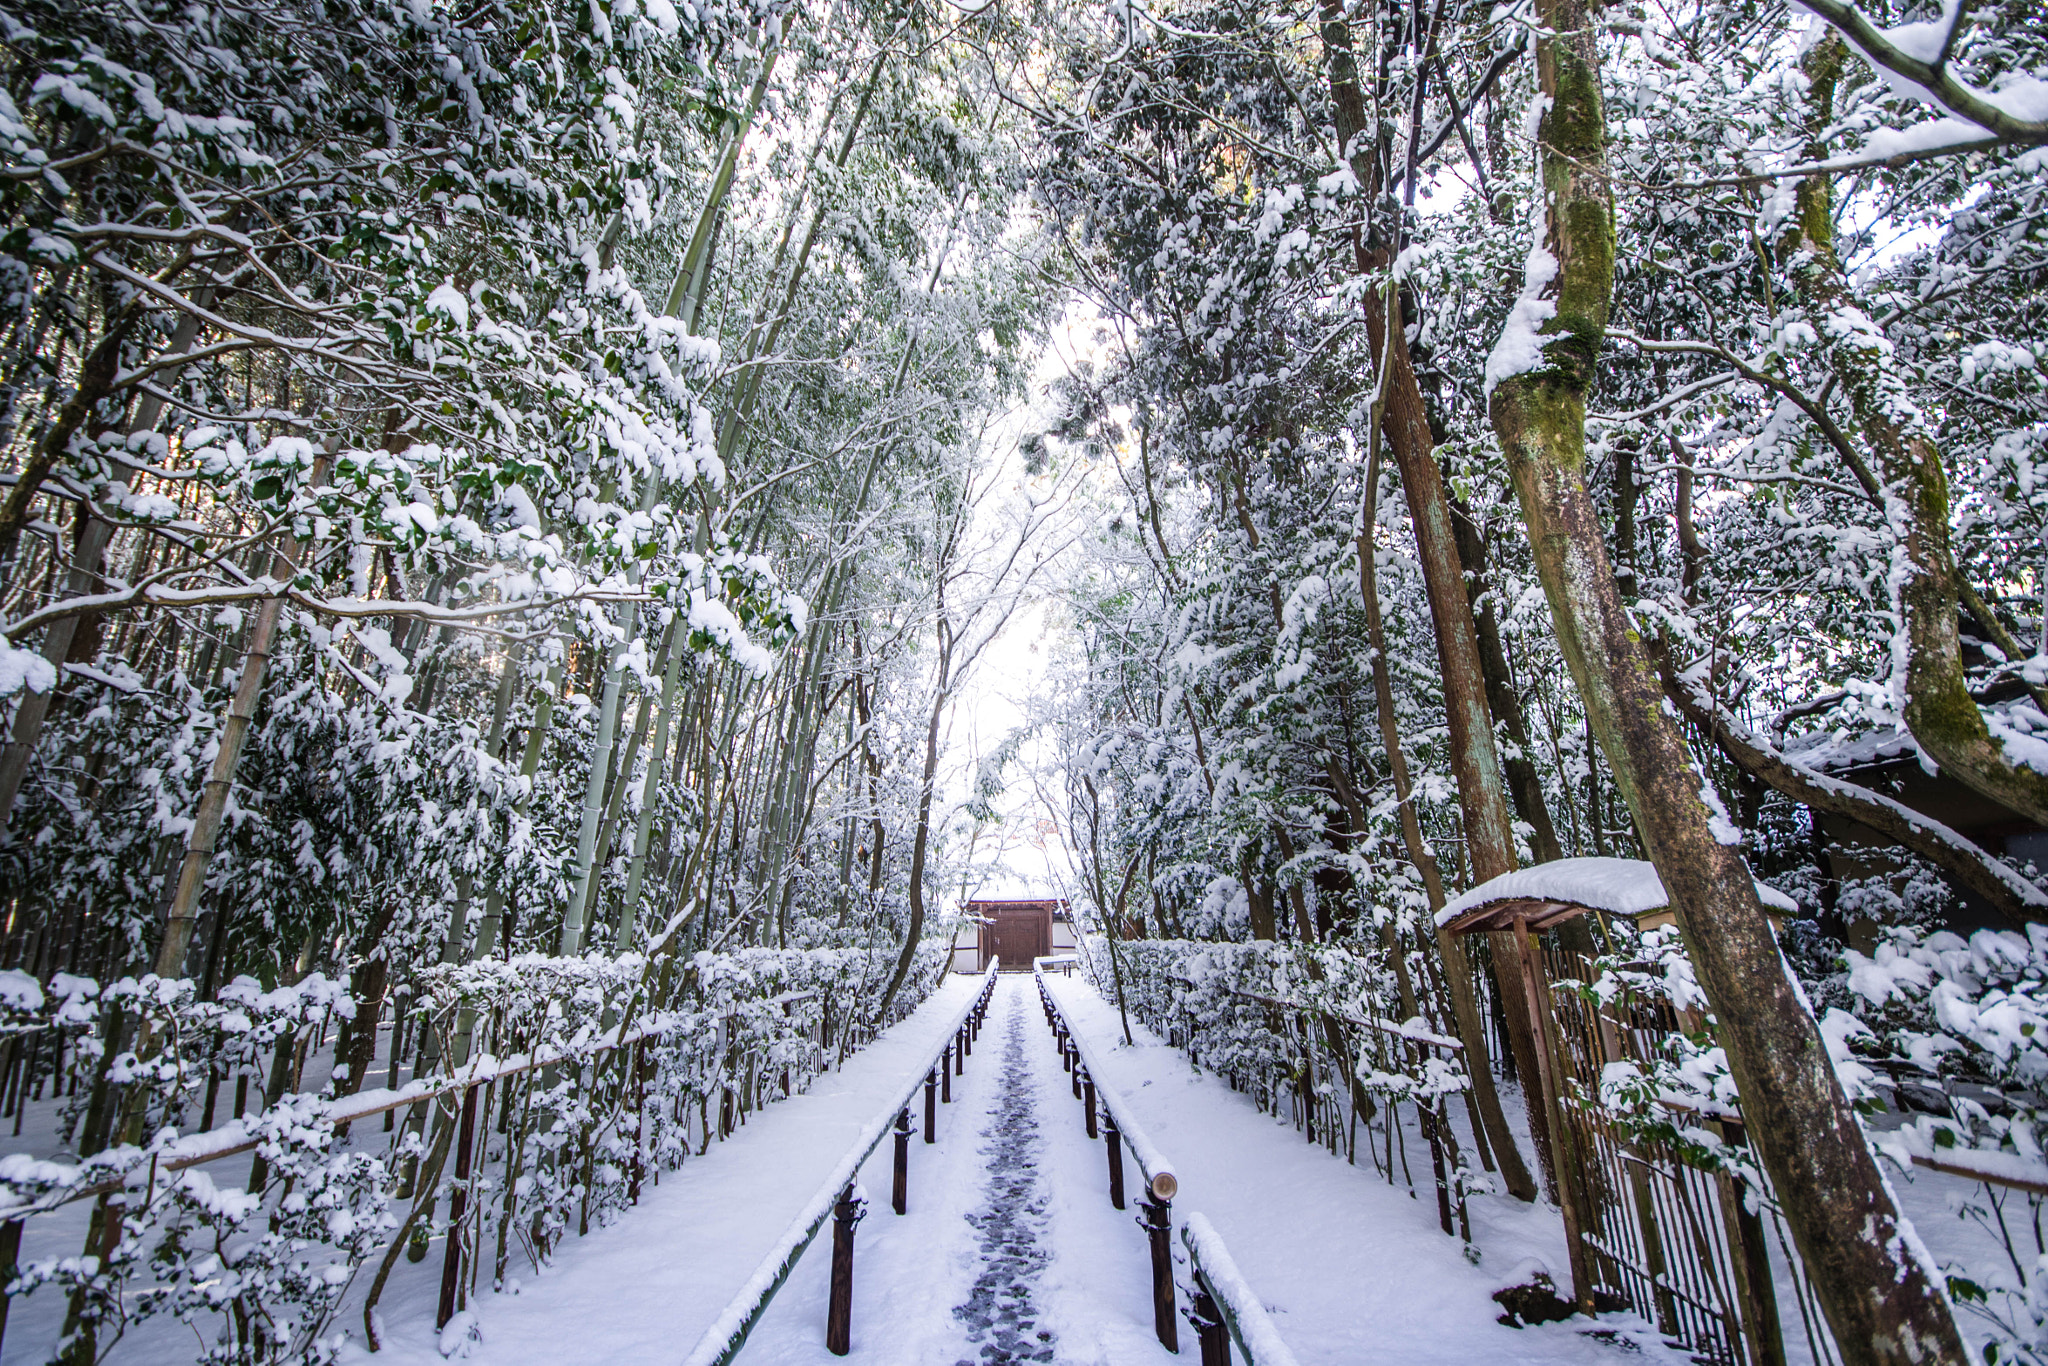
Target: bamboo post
(1535, 985)
(1209, 1327)
(946, 1076)
(640, 1116)
(1158, 1221)
(899, 1199)
(1115, 1144)
(10, 1253)
(1653, 1244)
(931, 1106)
(458, 1206)
(1088, 1101)
(1749, 1257)
(1636, 1165)
(960, 1052)
(839, 1315)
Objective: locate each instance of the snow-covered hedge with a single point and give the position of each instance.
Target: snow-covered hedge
(263, 1275)
(1252, 1011)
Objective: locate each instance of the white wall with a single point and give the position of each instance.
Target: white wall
(967, 948)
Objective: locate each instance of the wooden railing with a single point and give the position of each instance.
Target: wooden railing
(835, 1199)
(1120, 1131)
(1223, 1307)
(1226, 1310)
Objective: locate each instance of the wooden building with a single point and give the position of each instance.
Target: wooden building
(1889, 762)
(1017, 931)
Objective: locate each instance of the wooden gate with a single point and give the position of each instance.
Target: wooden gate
(1015, 931)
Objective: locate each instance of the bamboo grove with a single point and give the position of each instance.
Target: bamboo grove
(481, 483)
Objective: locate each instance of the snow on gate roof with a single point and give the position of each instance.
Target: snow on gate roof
(1551, 892)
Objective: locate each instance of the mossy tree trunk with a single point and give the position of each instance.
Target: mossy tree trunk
(1945, 720)
(1882, 1304)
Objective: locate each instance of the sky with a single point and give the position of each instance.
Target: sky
(994, 702)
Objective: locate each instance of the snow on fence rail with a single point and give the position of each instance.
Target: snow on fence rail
(722, 1341)
(1121, 1130)
(1411, 1030)
(1159, 1177)
(175, 1153)
(1225, 1307)
(1232, 1306)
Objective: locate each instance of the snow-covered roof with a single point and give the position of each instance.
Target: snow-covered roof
(1835, 750)
(2016, 723)
(1620, 886)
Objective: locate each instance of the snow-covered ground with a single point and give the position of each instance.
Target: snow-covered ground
(1010, 1251)
(646, 1288)
(1352, 1270)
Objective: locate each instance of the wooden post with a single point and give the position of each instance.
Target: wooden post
(839, 1315)
(960, 1052)
(639, 1168)
(458, 1206)
(1209, 1327)
(1115, 1144)
(1088, 1101)
(946, 1076)
(1159, 1229)
(1755, 1291)
(931, 1106)
(1536, 987)
(10, 1253)
(1075, 1080)
(900, 1198)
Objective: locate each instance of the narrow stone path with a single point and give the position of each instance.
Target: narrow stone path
(1000, 1315)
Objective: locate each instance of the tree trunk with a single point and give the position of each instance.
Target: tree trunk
(96, 376)
(921, 842)
(1457, 971)
(183, 902)
(1475, 761)
(1883, 1306)
(1944, 719)
(1523, 783)
(34, 707)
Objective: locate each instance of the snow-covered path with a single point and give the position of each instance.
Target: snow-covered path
(1001, 1312)
(1010, 1251)
(646, 1287)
